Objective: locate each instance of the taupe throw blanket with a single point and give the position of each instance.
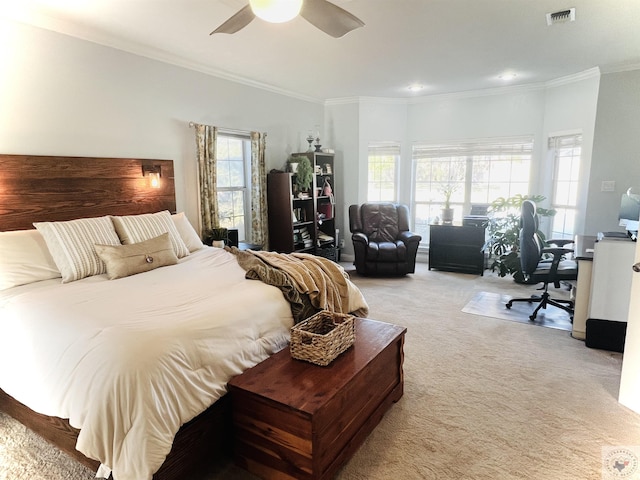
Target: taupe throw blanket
(308, 282)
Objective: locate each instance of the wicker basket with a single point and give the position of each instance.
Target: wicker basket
(322, 337)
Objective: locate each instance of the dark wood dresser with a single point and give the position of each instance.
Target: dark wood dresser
(456, 248)
(299, 421)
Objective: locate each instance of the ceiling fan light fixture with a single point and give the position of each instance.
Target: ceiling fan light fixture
(507, 76)
(276, 11)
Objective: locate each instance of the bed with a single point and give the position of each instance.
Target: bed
(126, 372)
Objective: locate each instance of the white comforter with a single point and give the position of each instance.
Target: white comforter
(129, 361)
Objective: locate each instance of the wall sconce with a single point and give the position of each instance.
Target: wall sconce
(152, 173)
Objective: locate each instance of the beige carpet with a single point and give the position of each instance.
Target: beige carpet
(484, 398)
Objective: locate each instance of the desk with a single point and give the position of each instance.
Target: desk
(456, 248)
(604, 281)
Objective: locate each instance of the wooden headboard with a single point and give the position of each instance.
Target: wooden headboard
(44, 188)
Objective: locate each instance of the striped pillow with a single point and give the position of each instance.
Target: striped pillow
(72, 245)
(138, 228)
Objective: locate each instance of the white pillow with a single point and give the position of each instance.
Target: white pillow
(72, 245)
(25, 258)
(188, 234)
(138, 228)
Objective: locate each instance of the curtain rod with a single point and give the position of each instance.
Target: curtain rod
(225, 130)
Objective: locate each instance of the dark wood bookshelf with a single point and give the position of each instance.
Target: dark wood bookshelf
(289, 214)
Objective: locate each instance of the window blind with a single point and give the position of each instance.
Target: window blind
(383, 150)
(492, 147)
(565, 141)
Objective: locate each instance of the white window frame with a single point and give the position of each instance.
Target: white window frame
(388, 152)
(245, 190)
(463, 155)
(566, 151)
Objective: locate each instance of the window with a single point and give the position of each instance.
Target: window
(478, 172)
(383, 167)
(233, 161)
(566, 152)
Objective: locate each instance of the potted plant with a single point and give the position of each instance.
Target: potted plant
(447, 211)
(303, 175)
(503, 228)
(216, 237)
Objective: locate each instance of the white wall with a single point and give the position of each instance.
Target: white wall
(384, 120)
(451, 118)
(64, 96)
(616, 148)
(342, 125)
(570, 108)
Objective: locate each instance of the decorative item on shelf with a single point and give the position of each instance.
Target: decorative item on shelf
(310, 141)
(326, 210)
(327, 169)
(216, 237)
(292, 164)
(304, 172)
(327, 191)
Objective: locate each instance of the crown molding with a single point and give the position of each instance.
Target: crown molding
(486, 92)
(577, 77)
(621, 67)
(366, 100)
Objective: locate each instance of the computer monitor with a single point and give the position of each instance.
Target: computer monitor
(629, 211)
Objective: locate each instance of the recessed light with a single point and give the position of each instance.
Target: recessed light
(415, 87)
(508, 76)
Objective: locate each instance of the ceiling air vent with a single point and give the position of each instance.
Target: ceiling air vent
(562, 16)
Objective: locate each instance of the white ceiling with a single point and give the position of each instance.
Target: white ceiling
(447, 45)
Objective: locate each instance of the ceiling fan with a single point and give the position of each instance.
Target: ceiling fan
(323, 14)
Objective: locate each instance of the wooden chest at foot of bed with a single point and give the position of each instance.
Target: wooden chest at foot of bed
(296, 420)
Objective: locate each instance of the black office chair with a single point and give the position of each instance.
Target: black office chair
(536, 268)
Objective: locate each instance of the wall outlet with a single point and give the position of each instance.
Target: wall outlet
(608, 186)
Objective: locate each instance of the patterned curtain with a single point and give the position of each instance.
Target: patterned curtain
(259, 219)
(206, 150)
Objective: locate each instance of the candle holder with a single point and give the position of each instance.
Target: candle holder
(310, 141)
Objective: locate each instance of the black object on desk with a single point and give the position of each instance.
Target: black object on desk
(456, 248)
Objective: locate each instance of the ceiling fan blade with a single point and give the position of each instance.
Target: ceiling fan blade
(237, 22)
(329, 18)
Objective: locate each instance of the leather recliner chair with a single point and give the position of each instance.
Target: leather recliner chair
(382, 242)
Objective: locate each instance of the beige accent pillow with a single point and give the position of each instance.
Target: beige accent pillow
(71, 245)
(25, 258)
(125, 260)
(188, 234)
(138, 228)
